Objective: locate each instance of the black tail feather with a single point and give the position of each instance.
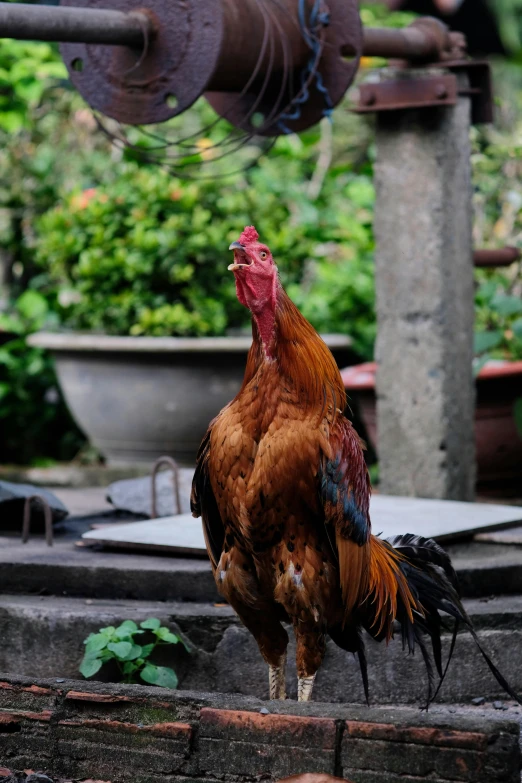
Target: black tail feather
(349, 638)
(434, 584)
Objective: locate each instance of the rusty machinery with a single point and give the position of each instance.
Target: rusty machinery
(267, 66)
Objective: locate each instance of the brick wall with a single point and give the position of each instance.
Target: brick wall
(133, 733)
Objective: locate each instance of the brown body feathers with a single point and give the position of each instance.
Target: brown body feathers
(283, 490)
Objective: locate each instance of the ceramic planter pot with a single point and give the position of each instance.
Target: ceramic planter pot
(499, 445)
(138, 398)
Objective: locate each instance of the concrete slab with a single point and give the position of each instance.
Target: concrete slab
(443, 520)
(64, 569)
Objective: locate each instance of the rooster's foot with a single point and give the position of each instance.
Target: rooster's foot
(277, 679)
(304, 688)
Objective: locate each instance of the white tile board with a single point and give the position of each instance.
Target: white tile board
(443, 520)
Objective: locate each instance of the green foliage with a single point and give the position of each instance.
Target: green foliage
(128, 647)
(147, 253)
(337, 287)
(379, 15)
(48, 142)
(498, 318)
(27, 70)
(497, 173)
(509, 15)
(31, 406)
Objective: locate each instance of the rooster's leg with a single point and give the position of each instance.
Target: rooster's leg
(305, 686)
(310, 649)
(277, 679)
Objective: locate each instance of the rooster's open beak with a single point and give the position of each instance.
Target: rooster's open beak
(238, 249)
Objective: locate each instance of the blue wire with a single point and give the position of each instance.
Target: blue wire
(316, 18)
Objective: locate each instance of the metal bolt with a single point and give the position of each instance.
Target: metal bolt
(369, 98)
(441, 91)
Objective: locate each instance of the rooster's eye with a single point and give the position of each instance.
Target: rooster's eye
(263, 255)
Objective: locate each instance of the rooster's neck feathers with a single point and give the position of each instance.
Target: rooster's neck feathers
(282, 334)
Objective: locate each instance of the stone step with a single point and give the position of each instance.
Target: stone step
(128, 732)
(42, 637)
(65, 569)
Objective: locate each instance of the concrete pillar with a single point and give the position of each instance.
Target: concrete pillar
(424, 281)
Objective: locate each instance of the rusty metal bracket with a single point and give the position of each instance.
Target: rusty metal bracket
(429, 91)
(397, 94)
(480, 87)
(172, 464)
(504, 256)
(48, 518)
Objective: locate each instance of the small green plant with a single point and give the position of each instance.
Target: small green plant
(133, 659)
(498, 318)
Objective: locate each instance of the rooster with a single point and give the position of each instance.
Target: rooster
(283, 490)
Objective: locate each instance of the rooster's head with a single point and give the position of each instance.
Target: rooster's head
(255, 272)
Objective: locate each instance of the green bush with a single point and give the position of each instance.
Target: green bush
(497, 173)
(147, 253)
(34, 421)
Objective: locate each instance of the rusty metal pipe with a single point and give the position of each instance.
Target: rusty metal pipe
(426, 40)
(74, 25)
(501, 257)
(247, 22)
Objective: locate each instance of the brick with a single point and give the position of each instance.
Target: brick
(97, 698)
(86, 758)
(111, 698)
(417, 735)
(283, 729)
(9, 715)
(36, 689)
(31, 698)
(248, 743)
(249, 759)
(415, 760)
(178, 731)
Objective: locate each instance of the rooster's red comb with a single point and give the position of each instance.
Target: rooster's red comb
(249, 235)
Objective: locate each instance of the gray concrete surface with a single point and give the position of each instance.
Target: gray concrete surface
(42, 637)
(64, 569)
(424, 291)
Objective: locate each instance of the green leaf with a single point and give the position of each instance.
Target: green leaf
(32, 305)
(130, 667)
(89, 666)
(127, 628)
(95, 642)
(506, 305)
(151, 624)
(135, 652)
(120, 649)
(108, 630)
(166, 636)
(149, 673)
(147, 649)
(166, 678)
(486, 341)
(517, 413)
(159, 675)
